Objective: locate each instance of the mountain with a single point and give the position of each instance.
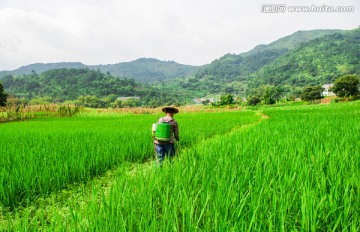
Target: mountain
(301, 59)
(40, 68)
(316, 62)
(71, 84)
(143, 70)
(233, 67)
(230, 67)
(236, 73)
(291, 41)
(147, 69)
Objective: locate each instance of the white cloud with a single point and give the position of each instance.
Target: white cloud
(111, 31)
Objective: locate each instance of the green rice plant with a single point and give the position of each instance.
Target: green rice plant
(296, 171)
(48, 154)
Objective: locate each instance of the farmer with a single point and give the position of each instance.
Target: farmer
(167, 148)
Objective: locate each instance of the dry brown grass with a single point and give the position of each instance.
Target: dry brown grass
(187, 109)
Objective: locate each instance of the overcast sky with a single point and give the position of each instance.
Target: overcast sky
(191, 32)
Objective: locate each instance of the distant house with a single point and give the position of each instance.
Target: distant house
(327, 92)
(204, 99)
(128, 98)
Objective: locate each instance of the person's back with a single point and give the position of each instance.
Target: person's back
(167, 148)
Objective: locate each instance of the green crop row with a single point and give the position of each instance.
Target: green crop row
(296, 171)
(47, 154)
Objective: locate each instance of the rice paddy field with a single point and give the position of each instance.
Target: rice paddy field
(273, 169)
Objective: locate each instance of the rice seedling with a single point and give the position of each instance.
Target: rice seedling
(296, 171)
(47, 154)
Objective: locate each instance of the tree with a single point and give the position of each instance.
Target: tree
(206, 102)
(130, 103)
(270, 93)
(346, 86)
(312, 93)
(227, 99)
(3, 95)
(253, 101)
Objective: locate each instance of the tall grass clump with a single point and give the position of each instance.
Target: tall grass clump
(15, 113)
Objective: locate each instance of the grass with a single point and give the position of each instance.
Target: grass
(297, 170)
(57, 152)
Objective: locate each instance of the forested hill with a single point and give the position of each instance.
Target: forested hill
(40, 68)
(316, 62)
(147, 70)
(71, 84)
(291, 41)
(310, 62)
(313, 61)
(233, 67)
(142, 70)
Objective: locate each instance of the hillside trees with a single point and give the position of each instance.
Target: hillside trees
(316, 62)
(226, 99)
(253, 101)
(346, 86)
(85, 87)
(270, 93)
(3, 95)
(312, 93)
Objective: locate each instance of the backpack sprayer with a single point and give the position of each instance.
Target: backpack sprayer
(162, 131)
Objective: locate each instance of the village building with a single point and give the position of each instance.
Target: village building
(327, 92)
(202, 100)
(128, 98)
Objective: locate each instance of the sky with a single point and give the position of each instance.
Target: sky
(193, 32)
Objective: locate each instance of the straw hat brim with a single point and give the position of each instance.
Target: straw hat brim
(170, 109)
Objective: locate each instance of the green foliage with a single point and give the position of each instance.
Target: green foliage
(62, 151)
(142, 70)
(206, 102)
(218, 75)
(296, 171)
(239, 67)
(270, 93)
(231, 72)
(15, 113)
(40, 68)
(88, 87)
(67, 111)
(40, 100)
(130, 103)
(253, 100)
(3, 95)
(11, 101)
(290, 98)
(226, 99)
(233, 67)
(302, 59)
(148, 70)
(292, 41)
(346, 86)
(319, 61)
(312, 93)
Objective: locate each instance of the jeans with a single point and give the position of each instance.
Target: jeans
(162, 150)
